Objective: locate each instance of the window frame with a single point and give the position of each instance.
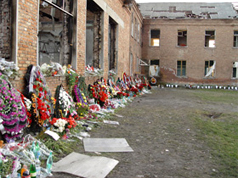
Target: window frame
(182, 70)
(150, 38)
(71, 37)
(206, 67)
(235, 36)
(182, 35)
(208, 38)
(236, 70)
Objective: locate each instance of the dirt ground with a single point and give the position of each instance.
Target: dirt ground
(158, 128)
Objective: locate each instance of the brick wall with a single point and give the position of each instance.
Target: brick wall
(27, 40)
(135, 40)
(195, 53)
(27, 35)
(81, 35)
(5, 30)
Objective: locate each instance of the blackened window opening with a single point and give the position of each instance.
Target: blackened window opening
(112, 44)
(94, 34)
(56, 32)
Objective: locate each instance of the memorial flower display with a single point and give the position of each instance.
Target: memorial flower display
(13, 117)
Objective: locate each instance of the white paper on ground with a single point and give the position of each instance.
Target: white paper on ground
(106, 145)
(111, 122)
(85, 166)
(54, 135)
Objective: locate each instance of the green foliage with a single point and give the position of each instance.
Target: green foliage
(71, 80)
(7, 166)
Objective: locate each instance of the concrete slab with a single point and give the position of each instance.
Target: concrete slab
(106, 145)
(85, 166)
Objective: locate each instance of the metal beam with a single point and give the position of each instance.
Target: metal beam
(54, 5)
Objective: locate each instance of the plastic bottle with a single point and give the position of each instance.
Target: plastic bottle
(23, 169)
(1, 166)
(33, 147)
(49, 163)
(26, 174)
(33, 170)
(37, 151)
(38, 168)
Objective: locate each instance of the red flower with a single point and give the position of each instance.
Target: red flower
(34, 86)
(41, 89)
(53, 121)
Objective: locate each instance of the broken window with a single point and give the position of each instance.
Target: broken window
(154, 37)
(235, 39)
(154, 67)
(182, 37)
(210, 38)
(94, 35)
(112, 42)
(210, 68)
(235, 70)
(181, 68)
(7, 29)
(57, 32)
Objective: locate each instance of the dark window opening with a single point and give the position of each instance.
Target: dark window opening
(57, 32)
(94, 35)
(154, 62)
(7, 13)
(182, 37)
(181, 68)
(112, 44)
(235, 44)
(210, 38)
(154, 37)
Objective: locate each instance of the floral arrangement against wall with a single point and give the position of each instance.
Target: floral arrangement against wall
(13, 117)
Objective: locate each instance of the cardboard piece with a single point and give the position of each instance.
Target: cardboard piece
(85, 166)
(106, 145)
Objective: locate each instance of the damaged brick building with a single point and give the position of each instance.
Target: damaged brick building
(180, 45)
(76, 32)
(191, 42)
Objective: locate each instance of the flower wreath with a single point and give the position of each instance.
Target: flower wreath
(64, 106)
(13, 118)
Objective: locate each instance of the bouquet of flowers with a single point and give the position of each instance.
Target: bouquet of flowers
(63, 124)
(8, 68)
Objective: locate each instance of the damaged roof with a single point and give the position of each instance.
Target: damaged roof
(223, 10)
